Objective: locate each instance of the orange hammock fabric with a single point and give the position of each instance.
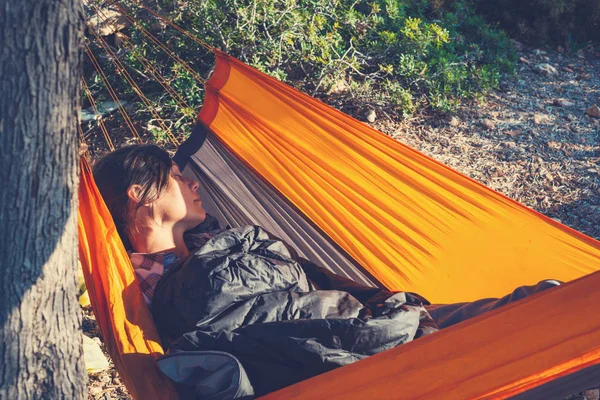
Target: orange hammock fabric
(124, 319)
(413, 223)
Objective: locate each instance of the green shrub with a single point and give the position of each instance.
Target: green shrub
(398, 54)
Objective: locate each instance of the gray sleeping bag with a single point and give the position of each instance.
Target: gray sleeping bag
(245, 316)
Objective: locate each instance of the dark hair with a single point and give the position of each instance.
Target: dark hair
(146, 165)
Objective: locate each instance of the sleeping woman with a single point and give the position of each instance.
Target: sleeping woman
(241, 313)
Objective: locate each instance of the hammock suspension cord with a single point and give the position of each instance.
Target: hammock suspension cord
(88, 94)
(180, 101)
(111, 92)
(123, 71)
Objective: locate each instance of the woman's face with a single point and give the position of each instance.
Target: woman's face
(179, 204)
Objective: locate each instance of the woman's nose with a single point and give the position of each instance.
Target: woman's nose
(194, 184)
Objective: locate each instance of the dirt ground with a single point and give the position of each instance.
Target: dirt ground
(531, 140)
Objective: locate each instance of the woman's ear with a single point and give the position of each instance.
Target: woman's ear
(134, 193)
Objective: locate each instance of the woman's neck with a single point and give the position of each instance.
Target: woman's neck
(157, 240)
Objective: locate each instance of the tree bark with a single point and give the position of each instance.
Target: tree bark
(40, 322)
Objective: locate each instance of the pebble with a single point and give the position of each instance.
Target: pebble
(371, 115)
(454, 121)
(487, 124)
(539, 119)
(95, 390)
(593, 111)
(518, 45)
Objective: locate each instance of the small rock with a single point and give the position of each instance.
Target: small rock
(454, 121)
(518, 45)
(560, 49)
(510, 145)
(524, 60)
(513, 133)
(584, 77)
(593, 111)
(567, 69)
(95, 390)
(562, 103)
(549, 176)
(370, 115)
(538, 52)
(338, 87)
(558, 220)
(488, 124)
(545, 69)
(592, 394)
(546, 58)
(540, 119)
(580, 54)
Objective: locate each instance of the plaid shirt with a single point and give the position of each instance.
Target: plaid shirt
(150, 267)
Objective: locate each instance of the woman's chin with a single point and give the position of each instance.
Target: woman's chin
(201, 216)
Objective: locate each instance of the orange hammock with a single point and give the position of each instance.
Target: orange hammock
(411, 222)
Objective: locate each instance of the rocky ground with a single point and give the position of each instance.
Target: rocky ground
(536, 140)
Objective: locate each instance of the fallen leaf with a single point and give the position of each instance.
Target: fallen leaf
(545, 69)
(539, 119)
(515, 132)
(562, 103)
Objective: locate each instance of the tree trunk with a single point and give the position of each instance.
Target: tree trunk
(40, 322)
